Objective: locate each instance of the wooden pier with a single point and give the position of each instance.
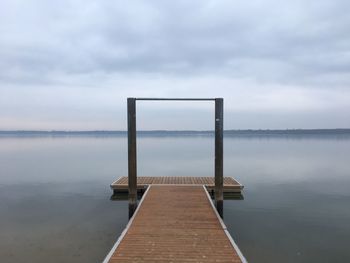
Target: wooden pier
(175, 223)
(176, 220)
(230, 184)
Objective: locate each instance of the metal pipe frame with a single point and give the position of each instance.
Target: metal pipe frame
(179, 99)
(132, 152)
(132, 156)
(219, 162)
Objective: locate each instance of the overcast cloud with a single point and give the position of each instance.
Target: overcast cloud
(70, 65)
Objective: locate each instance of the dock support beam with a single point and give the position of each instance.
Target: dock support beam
(132, 166)
(219, 171)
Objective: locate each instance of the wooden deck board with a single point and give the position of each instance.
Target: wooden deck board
(230, 185)
(175, 223)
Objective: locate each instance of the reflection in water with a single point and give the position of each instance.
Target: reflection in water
(123, 196)
(58, 222)
(55, 196)
(229, 196)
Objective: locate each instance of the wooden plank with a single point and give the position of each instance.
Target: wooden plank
(175, 223)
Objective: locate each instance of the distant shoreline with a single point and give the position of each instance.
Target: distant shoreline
(227, 133)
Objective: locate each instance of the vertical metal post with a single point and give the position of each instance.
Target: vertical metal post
(132, 166)
(219, 178)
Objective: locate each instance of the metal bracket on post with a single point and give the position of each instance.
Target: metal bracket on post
(219, 177)
(132, 166)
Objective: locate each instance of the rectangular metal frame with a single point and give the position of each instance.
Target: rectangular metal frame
(132, 151)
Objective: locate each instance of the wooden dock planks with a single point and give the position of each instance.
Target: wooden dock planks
(230, 185)
(175, 223)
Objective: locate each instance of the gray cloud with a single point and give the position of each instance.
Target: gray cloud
(260, 55)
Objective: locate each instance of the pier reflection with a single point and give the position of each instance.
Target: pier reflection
(123, 196)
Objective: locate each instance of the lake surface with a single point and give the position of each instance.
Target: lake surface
(55, 198)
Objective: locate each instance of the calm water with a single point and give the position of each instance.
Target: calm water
(55, 206)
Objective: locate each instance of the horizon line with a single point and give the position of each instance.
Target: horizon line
(161, 130)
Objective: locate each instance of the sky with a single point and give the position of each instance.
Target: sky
(70, 65)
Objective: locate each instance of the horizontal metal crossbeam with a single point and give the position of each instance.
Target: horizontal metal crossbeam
(178, 99)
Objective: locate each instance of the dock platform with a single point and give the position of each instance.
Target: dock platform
(230, 184)
(175, 223)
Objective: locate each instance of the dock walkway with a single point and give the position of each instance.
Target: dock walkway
(175, 223)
